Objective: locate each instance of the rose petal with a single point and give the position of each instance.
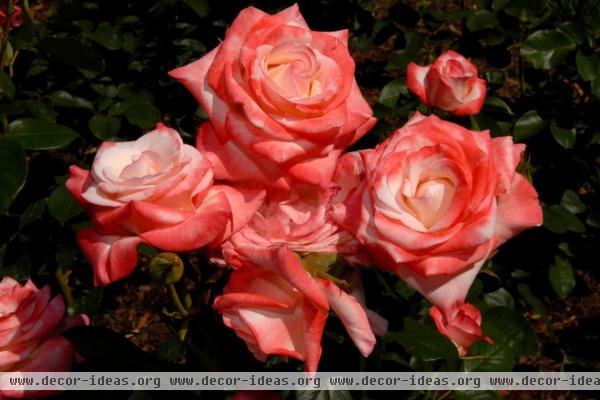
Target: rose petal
(112, 257)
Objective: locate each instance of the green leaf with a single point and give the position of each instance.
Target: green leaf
(86, 304)
(130, 43)
(570, 201)
(547, 48)
(574, 30)
(147, 250)
(528, 125)
(85, 25)
(498, 5)
(65, 99)
(7, 88)
(36, 70)
(200, 7)
(474, 291)
(107, 36)
(403, 290)
(62, 206)
(512, 334)
(169, 351)
(391, 91)
(587, 66)
(13, 107)
(402, 57)
(497, 102)
(13, 172)
(37, 134)
(508, 327)
(564, 137)
(481, 19)
(104, 127)
(534, 302)
(483, 121)
(423, 341)
(32, 213)
(18, 270)
(42, 110)
(486, 357)
(500, 297)
(561, 277)
(559, 220)
(144, 115)
(564, 247)
(73, 53)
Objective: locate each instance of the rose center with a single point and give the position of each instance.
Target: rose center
(146, 163)
(294, 69)
(456, 69)
(430, 200)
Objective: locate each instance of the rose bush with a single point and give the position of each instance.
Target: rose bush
(435, 201)
(277, 307)
(30, 326)
(282, 100)
(450, 83)
(156, 190)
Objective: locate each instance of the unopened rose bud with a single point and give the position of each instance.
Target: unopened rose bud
(166, 268)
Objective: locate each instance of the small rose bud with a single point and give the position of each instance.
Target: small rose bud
(166, 268)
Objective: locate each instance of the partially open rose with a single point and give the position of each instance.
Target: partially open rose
(155, 190)
(436, 199)
(450, 83)
(282, 100)
(30, 325)
(277, 307)
(462, 326)
(298, 219)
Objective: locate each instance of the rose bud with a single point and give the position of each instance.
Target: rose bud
(450, 84)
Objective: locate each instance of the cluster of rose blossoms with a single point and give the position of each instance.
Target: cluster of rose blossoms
(270, 191)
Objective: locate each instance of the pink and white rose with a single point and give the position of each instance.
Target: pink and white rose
(299, 220)
(435, 201)
(30, 325)
(282, 100)
(450, 83)
(277, 307)
(155, 190)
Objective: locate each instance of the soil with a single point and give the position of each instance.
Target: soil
(134, 316)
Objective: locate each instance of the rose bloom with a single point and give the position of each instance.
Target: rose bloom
(435, 200)
(30, 326)
(450, 84)
(156, 190)
(298, 219)
(282, 100)
(277, 307)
